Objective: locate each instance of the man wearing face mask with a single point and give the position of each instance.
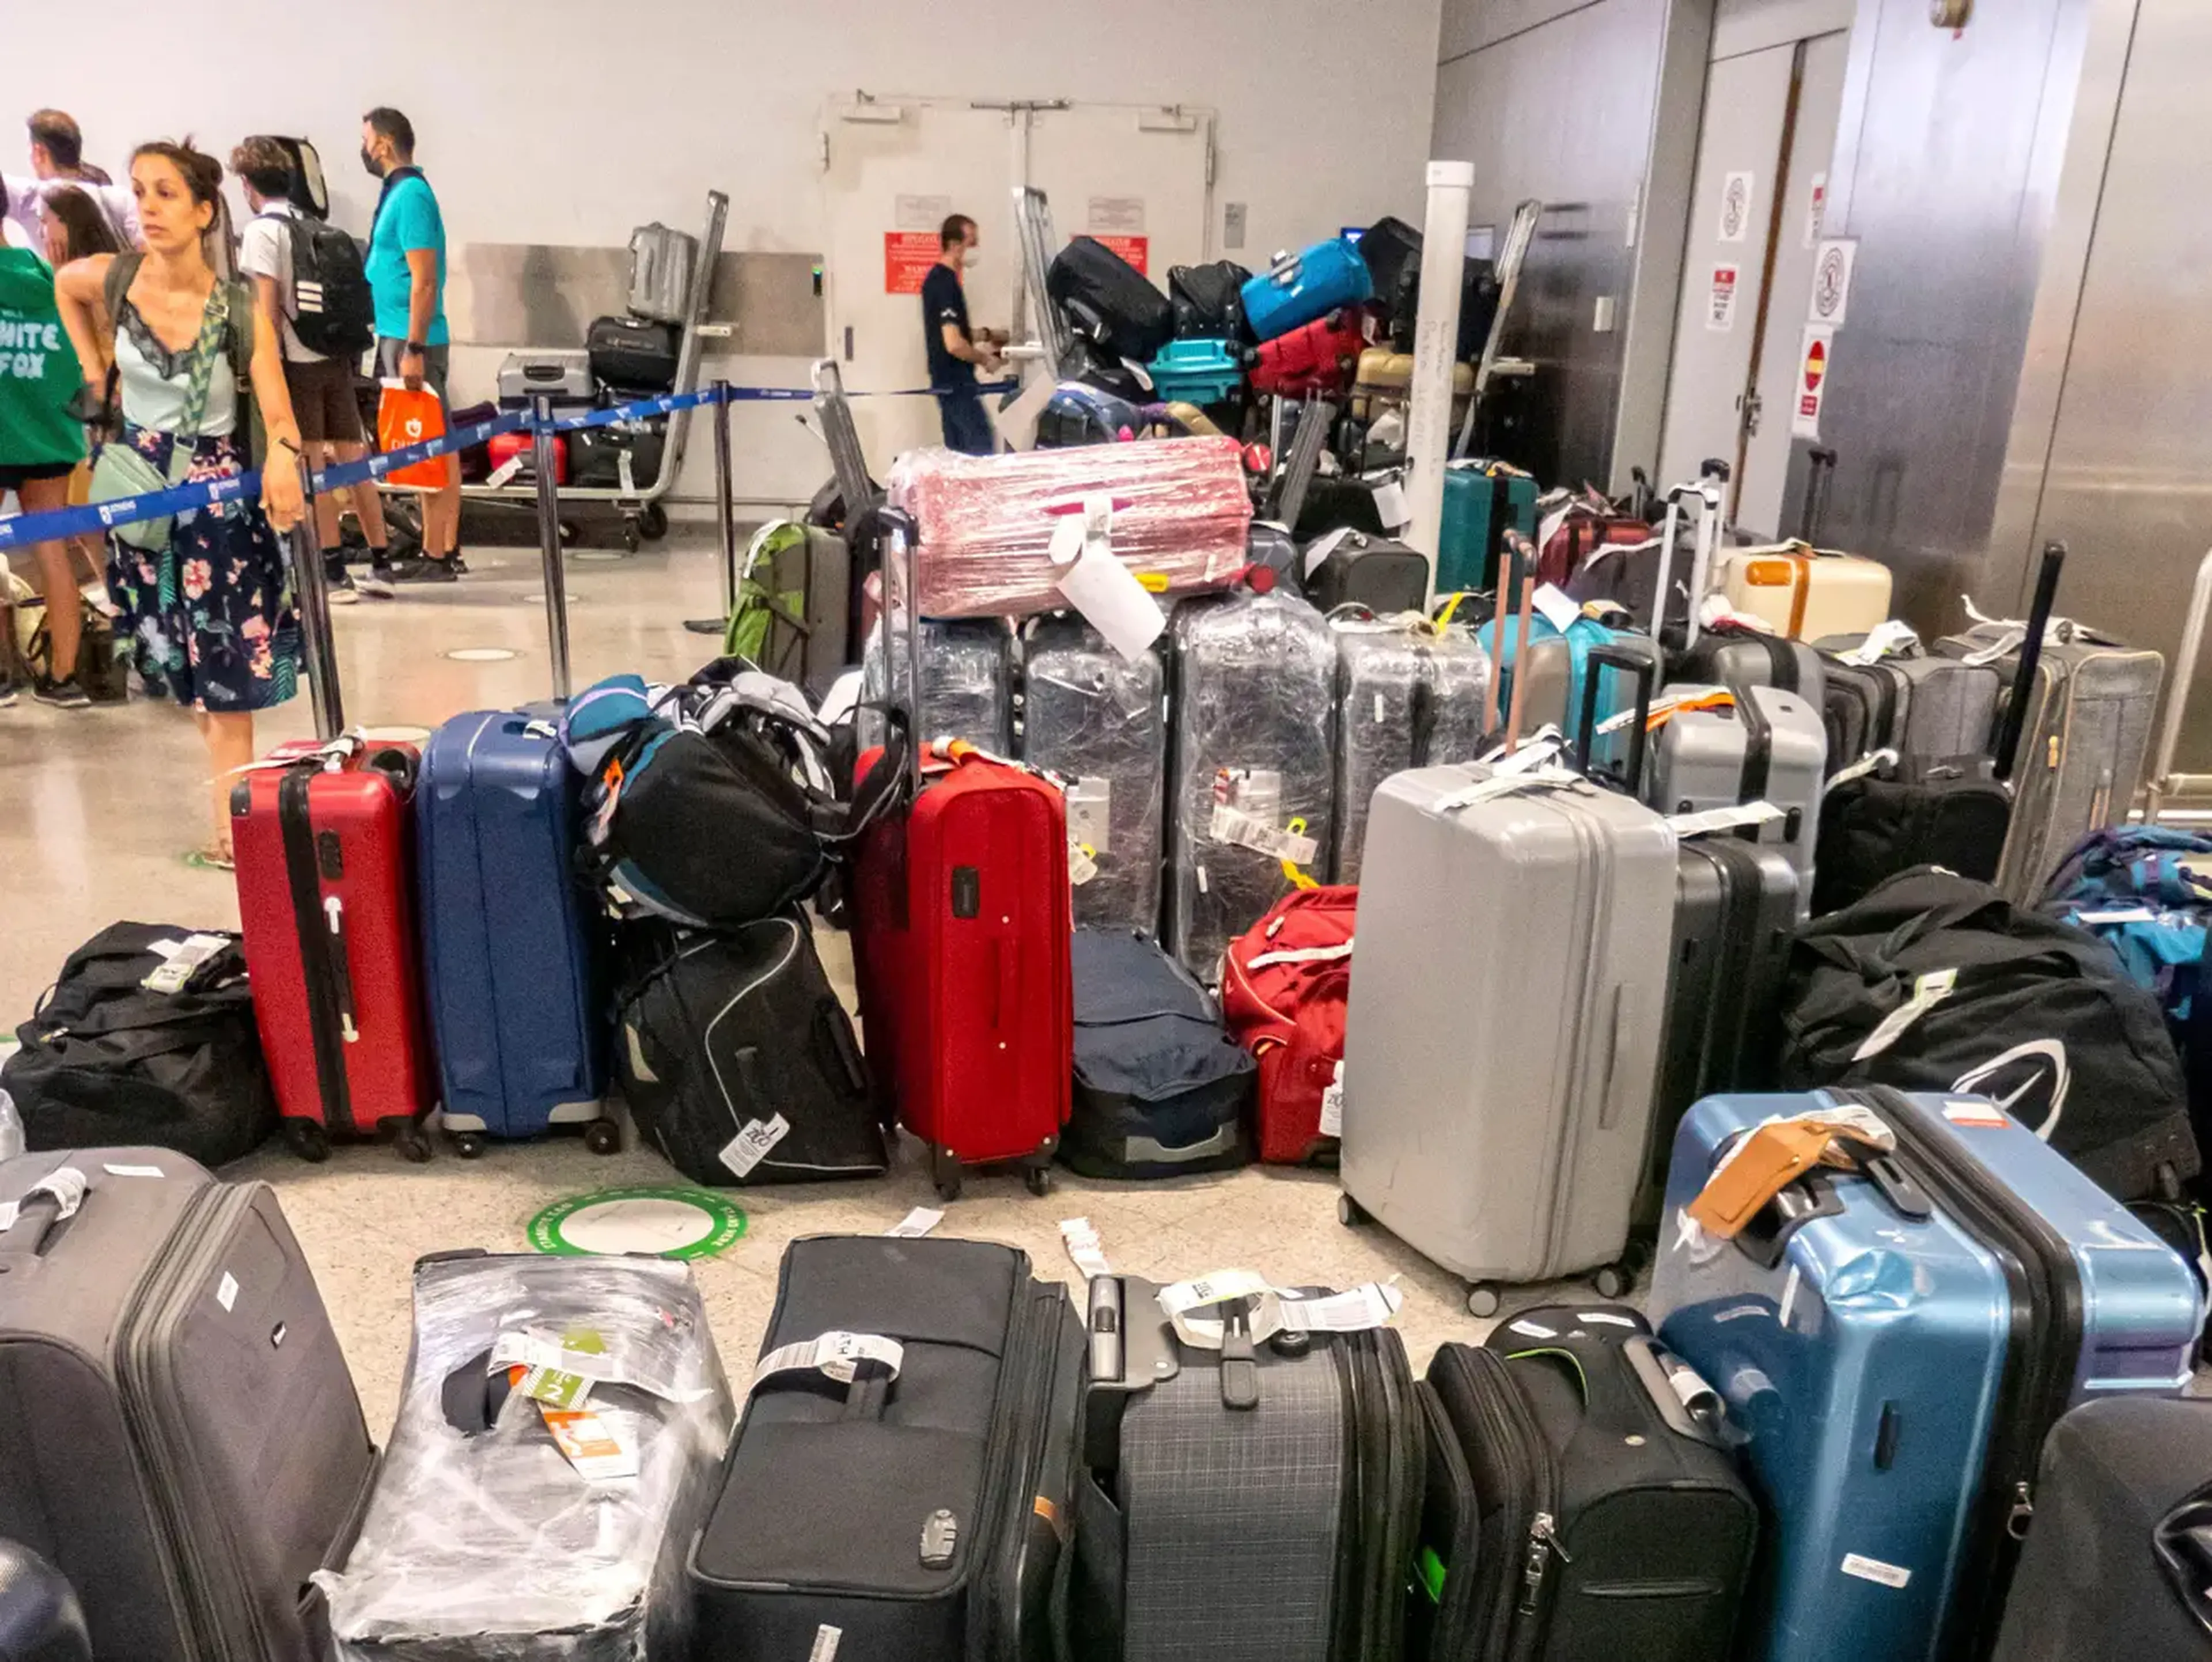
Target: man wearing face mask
(954, 349)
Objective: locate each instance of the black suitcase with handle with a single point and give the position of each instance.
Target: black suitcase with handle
(1108, 301)
(632, 354)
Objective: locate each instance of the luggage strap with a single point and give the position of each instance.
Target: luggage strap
(1256, 1311)
(319, 926)
(1301, 955)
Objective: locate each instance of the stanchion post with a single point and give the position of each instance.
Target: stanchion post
(319, 645)
(548, 544)
(725, 507)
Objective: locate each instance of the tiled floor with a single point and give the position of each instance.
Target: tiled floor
(97, 809)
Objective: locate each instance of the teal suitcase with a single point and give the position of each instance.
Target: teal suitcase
(1481, 498)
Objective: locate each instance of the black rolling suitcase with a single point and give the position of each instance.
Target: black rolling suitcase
(1208, 301)
(1108, 301)
(1582, 1504)
(1386, 577)
(1254, 1501)
(899, 1485)
(632, 354)
(2118, 1561)
(181, 1437)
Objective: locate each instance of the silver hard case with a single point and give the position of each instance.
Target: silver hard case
(561, 375)
(660, 266)
(1502, 1046)
(1696, 761)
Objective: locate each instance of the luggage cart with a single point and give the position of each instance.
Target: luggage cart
(1518, 238)
(642, 514)
(1049, 340)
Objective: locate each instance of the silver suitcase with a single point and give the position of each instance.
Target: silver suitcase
(660, 261)
(1099, 720)
(1704, 758)
(1255, 694)
(2084, 743)
(563, 376)
(966, 683)
(1502, 1046)
(1406, 696)
(1948, 707)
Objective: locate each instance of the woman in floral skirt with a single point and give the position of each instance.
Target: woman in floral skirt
(209, 613)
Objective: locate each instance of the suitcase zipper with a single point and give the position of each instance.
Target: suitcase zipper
(327, 1021)
(1505, 1426)
(1003, 1502)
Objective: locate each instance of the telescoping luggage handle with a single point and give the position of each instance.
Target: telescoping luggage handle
(1820, 473)
(2030, 659)
(1646, 674)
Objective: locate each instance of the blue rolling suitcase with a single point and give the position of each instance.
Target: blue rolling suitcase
(1897, 1342)
(507, 954)
(1299, 287)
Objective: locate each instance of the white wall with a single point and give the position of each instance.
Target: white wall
(565, 122)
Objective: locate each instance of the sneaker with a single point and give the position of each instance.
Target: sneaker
(62, 695)
(425, 570)
(377, 583)
(339, 587)
(7, 691)
(459, 565)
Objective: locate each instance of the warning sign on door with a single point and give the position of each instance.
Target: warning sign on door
(1719, 301)
(908, 256)
(1832, 281)
(1115, 215)
(1812, 388)
(1135, 250)
(1735, 207)
(1816, 211)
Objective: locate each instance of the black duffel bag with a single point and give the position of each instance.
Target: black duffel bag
(108, 1061)
(1208, 301)
(633, 354)
(596, 453)
(1107, 301)
(2041, 1018)
(736, 1060)
(1160, 1086)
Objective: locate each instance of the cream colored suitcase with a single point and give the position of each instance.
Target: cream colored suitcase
(1805, 592)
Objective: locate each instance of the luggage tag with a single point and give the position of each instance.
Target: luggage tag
(1273, 1310)
(1561, 613)
(1245, 803)
(752, 1143)
(1728, 818)
(1859, 769)
(1882, 640)
(182, 959)
(837, 1355)
(1323, 547)
(1084, 1247)
(1768, 1159)
(592, 1445)
(1928, 992)
(1098, 585)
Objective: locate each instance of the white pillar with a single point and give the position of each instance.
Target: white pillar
(1435, 343)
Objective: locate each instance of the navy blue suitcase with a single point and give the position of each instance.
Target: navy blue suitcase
(507, 954)
(1896, 1345)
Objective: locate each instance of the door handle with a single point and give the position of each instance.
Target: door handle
(848, 343)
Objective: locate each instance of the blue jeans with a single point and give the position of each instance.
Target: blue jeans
(967, 426)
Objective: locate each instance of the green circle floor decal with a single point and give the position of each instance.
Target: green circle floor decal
(668, 1223)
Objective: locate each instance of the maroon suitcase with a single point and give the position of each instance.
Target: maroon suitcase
(962, 948)
(325, 898)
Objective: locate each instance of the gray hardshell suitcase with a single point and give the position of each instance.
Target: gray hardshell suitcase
(178, 1434)
(1257, 1502)
(1748, 656)
(1099, 720)
(1405, 697)
(1255, 695)
(2084, 743)
(966, 683)
(1706, 759)
(1502, 1044)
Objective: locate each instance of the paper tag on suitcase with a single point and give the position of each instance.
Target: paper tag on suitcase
(1724, 819)
(1106, 591)
(1928, 992)
(1332, 1105)
(839, 1355)
(593, 1446)
(1084, 1247)
(505, 472)
(1235, 826)
(1561, 613)
(750, 1146)
(1885, 639)
(186, 957)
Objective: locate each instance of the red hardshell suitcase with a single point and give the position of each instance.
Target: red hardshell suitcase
(1319, 357)
(325, 898)
(1285, 986)
(960, 952)
(503, 447)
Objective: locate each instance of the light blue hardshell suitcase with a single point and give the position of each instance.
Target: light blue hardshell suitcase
(1896, 1346)
(1299, 287)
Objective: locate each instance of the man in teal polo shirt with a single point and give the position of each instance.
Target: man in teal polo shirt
(406, 269)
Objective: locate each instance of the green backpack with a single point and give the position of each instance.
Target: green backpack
(792, 603)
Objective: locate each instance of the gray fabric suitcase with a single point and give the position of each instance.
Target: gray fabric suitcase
(178, 1434)
(1255, 695)
(1501, 1044)
(1405, 697)
(2084, 744)
(1706, 759)
(1099, 720)
(966, 683)
(1276, 1530)
(1945, 707)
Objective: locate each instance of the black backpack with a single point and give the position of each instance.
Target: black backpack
(107, 1062)
(2042, 1018)
(334, 312)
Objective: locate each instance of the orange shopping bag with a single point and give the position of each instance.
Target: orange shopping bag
(404, 418)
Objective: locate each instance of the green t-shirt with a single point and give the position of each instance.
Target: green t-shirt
(38, 371)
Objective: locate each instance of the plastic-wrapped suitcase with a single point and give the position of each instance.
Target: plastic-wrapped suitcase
(936, 1379)
(1897, 1340)
(1252, 783)
(184, 1442)
(1240, 1498)
(1405, 697)
(1503, 1041)
(481, 1539)
(1482, 501)
(2085, 738)
(961, 953)
(1763, 745)
(1099, 720)
(967, 683)
(327, 897)
(1297, 288)
(40, 1619)
(2115, 1562)
(507, 954)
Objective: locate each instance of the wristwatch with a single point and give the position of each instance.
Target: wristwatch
(418, 349)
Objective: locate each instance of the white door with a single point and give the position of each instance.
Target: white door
(896, 168)
(1137, 178)
(1769, 127)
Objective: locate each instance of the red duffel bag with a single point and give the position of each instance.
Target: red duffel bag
(1284, 985)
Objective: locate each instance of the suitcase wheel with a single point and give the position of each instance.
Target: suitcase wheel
(470, 1145)
(1039, 1178)
(944, 1172)
(414, 1147)
(1613, 1281)
(1349, 1213)
(308, 1139)
(603, 1136)
(652, 522)
(1483, 1300)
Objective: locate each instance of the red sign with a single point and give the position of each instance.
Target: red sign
(1816, 371)
(908, 256)
(1131, 249)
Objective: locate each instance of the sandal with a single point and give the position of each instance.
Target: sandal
(215, 858)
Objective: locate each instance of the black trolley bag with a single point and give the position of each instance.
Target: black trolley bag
(179, 1436)
(2119, 1560)
(1581, 1501)
(898, 1487)
(1108, 301)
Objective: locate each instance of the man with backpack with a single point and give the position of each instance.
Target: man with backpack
(312, 289)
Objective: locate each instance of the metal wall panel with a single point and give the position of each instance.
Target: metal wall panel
(531, 294)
